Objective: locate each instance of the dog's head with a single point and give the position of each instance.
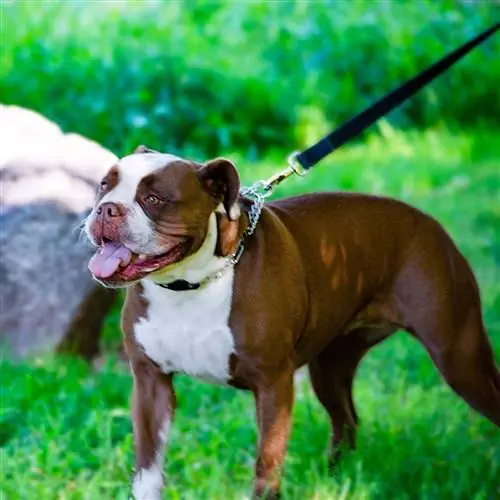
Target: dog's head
(155, 210)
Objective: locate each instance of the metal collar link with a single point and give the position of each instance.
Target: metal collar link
(253, 218)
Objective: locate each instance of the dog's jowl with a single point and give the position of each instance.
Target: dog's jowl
(323, 278)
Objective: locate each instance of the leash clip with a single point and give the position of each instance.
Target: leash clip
(295, 165)
(264, 189)
(261, 190)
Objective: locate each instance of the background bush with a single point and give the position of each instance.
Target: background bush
(248, 76)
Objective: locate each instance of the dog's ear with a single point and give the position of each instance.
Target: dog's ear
(220, 179)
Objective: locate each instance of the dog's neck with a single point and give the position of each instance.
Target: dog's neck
(222, 239)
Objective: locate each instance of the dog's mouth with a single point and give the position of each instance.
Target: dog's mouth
(114, 262)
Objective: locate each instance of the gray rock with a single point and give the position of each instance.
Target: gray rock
(48, 299)
(39, 163)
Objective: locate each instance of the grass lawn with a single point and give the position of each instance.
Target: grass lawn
(65, 429)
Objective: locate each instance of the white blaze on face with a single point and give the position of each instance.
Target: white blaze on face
(131, 170)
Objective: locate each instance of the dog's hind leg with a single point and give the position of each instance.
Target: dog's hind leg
(467, 364)
(332, 374)
(439, 302)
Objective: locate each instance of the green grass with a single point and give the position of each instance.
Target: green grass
(65, 429)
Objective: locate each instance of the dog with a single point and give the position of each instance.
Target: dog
(323, 278)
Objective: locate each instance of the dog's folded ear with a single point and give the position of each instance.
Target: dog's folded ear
(220, 179)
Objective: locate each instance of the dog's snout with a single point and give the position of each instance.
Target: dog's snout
(110, 210)
(108, 222)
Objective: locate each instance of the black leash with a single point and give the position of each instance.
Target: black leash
(301, 162)
(314, 154)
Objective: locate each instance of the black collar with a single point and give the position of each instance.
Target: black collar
(179, 285)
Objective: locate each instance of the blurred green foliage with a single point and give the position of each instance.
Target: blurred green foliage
(206, 77)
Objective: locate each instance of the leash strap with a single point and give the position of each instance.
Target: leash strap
(312, 155)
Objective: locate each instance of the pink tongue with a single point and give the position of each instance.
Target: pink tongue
(108, 259)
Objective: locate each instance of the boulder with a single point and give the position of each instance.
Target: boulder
(48, 298)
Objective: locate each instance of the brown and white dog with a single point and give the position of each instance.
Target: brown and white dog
(323, 279)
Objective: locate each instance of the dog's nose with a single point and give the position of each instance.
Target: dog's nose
(108, 222)
(109, 210)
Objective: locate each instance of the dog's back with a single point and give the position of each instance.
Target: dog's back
(385, 265)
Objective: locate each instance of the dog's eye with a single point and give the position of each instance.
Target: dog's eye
(152, 199)
(103, 185)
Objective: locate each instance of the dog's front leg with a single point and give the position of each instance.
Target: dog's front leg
(274, 401)
(153, 405)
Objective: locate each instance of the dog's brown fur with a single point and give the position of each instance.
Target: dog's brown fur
(324, 278)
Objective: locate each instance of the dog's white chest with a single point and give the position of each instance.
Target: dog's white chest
(188, 332)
